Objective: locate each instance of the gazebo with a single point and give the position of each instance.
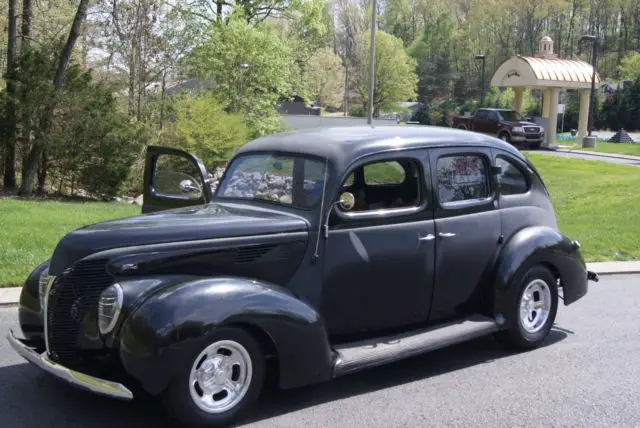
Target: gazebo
(551, 74)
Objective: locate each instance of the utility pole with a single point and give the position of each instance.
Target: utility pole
(372, 60)
(592, 96)
(483, 58)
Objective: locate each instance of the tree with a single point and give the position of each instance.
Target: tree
(251, 69)
(32, 159)
(395, 77)
(9, 131)
(629, 68)
(324, 75)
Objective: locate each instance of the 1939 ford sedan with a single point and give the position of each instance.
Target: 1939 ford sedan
(318, 253)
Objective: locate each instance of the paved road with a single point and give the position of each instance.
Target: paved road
(588, 375)
(587, 157)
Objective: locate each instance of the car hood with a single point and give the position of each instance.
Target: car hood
(200, 222)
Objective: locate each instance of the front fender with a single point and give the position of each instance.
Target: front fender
(540, 245)
(157, 337)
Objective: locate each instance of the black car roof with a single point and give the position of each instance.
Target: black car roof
(342, 145)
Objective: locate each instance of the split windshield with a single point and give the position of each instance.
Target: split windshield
(292, 180)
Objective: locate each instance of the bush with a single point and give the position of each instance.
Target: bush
(356, 111)
(422, 115)
(204, 128)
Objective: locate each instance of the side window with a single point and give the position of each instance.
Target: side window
(493, 116)
(481, 114)
(511, 180)
(384, 173)
(462, 178)
(387, 185)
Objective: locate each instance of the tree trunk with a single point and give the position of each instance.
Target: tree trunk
(163, 97)
(42, 172)
(35, 154)
(10, 108)
(25, 114)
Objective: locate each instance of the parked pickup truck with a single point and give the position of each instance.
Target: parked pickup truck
(508, 125)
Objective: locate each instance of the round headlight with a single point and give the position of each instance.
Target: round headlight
(42, 286)
(109, 306)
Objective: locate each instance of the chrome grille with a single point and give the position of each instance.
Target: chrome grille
(72, 296)
(531, 129)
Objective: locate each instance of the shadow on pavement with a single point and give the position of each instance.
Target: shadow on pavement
(30, 398)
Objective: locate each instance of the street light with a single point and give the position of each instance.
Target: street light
(592, 96)
(483, 58)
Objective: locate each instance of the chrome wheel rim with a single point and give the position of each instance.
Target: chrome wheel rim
(220, 376)
(535, 306)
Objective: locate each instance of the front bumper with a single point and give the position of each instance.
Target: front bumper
(80, 380)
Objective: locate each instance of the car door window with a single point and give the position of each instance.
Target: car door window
(387, 185)
(511, 180)
(177, 176)
(482, 114)
(493, 116)
(462, 177)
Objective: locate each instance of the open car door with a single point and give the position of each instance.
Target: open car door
(172, 179)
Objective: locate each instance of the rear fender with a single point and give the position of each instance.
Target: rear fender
(161, 333)
(540, 245)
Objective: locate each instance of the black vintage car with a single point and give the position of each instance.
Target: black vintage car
(319, 253)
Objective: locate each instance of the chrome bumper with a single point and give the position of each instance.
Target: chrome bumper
(80, 380)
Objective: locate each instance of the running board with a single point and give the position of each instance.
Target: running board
(382, 350)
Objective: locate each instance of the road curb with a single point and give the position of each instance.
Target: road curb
(10, 297)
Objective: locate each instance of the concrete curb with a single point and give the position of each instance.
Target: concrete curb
(10, 296)
(600, 154)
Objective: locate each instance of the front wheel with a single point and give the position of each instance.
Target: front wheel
(531, 309)
(505, 137)
(220, 381)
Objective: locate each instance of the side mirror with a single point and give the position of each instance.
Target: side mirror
(187, 186)
(496, 169)
(347, 201)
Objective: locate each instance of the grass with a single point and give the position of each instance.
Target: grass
(620, 149)
(596, 203)
(31, 229)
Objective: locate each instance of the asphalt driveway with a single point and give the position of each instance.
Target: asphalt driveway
(587, 375)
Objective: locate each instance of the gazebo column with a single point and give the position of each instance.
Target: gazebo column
(583, 118)
(546, 95)
(553, 117)
(519, 97)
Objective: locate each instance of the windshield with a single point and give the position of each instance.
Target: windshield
(511, 116)
(293, 180)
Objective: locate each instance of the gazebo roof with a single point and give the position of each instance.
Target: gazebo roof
(550, 72)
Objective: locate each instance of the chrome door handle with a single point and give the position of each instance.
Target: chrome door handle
(429, 237)
(446, 235)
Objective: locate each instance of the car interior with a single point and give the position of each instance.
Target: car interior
(393, 184)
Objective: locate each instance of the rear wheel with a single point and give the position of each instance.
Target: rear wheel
(531, 311)
(220, 381)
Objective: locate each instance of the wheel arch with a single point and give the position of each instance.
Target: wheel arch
(539, 245)
(168, 325)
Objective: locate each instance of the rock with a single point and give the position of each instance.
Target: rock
(139, 200)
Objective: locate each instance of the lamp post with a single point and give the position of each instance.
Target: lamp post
(372, 61)
(483, 58)
(592, 96)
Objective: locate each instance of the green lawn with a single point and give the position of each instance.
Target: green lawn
(621, 149)
(31, 229)
(596, 203)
